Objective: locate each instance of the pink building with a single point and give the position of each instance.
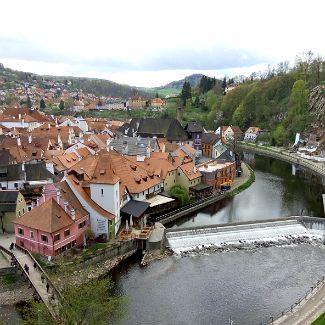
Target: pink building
(54, 226)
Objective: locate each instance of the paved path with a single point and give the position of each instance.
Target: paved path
(34, 274)
(308, 311)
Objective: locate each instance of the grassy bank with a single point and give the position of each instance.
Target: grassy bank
(320, 320)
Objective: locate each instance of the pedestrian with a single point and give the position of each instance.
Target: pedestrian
(35, 266)
(11, 247)
(42, 278)
(47, 287)
(26, 268)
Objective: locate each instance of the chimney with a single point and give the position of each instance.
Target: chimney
(49, 125)
(58, 194)
(66, 203)
(30, 139)
(19, 116)
(23, 166)
(73, 214)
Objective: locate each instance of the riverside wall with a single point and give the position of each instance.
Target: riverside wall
(284, 155)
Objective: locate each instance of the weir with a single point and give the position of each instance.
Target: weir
(271, 230)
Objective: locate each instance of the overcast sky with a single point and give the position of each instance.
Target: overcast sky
(151, 42)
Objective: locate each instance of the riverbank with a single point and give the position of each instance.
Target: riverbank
(13, 289)
(69, 276)
(285, 155)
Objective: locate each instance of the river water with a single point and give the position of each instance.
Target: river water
(249, 286)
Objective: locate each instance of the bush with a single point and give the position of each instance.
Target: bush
(180, 193)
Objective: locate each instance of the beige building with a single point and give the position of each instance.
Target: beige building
(12, 205)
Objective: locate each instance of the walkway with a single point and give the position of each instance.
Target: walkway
(284, 154)
(50, 296)
(306, 313)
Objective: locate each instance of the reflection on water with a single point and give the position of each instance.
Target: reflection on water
(275, 193)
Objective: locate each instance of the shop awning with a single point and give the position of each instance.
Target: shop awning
(135, 208)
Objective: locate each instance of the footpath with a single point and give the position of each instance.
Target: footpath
(284, 154)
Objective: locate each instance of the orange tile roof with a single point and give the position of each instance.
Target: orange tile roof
(48, 217)
(190, 170)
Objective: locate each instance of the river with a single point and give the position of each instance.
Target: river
(248, 286)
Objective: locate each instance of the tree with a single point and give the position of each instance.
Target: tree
(29, 103)
(224, 84)
(186, 92)
(42, 104)
(61, 105)
(181, 193)
(90, 303)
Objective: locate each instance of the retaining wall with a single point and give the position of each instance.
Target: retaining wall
(285, 156)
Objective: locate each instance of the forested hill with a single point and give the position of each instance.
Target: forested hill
(278, 100)
(10, 78)
(193, 79)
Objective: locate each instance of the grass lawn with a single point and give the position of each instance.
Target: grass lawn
(93, 248)
(320, 320)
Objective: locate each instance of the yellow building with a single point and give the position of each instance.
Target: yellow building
(12, 205)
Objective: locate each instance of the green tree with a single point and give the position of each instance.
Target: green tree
(90, 303)
(42, 104)
(29, 103)
(181, 193)
(61, 105)
(186, 92)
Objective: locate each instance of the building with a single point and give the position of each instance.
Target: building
(215, 172)
(252, 133)
(12, 205)
(209, 140)
(233, 132)
(134, 146)
(51, 227)
(136, 102)
(157, 104)
(168, 128)
(194, 131)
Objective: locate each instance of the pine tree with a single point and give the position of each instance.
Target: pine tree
(42, 104)
(29, 103)
(186, 92)
(61, 105)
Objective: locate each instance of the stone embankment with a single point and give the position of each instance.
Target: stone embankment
(94, 271)
(282, 154)
(155, 255)
(14, 293)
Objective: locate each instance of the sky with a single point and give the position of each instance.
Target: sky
(152, 42)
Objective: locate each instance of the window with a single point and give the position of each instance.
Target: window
(82, 224)
(16, 184)
(20, 231)
(179, 174)
(102, 192)
(23, 210)
(67, 233)
(44, 238)
(56, 237)
(31, 234)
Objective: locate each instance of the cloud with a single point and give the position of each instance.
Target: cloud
(198, 58)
